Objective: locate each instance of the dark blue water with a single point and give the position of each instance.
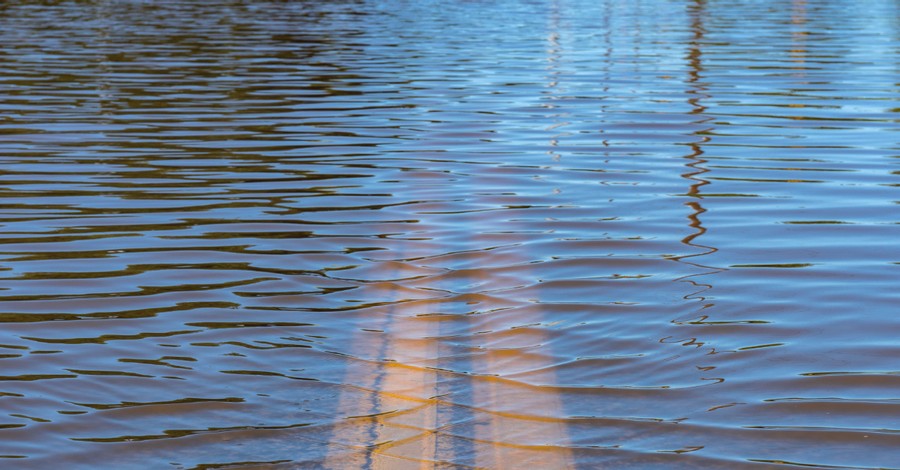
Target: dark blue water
(420, 234)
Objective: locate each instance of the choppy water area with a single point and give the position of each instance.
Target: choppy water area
(475, 234)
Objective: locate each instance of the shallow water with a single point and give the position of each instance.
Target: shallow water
(396, 234)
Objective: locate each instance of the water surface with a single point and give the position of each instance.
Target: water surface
(398, 234)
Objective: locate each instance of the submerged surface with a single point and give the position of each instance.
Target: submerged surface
(393, 234)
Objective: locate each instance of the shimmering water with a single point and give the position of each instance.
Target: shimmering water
(419, 234)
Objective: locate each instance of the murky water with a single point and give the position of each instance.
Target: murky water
(420, 234)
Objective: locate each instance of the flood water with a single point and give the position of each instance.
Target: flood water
(399, 234)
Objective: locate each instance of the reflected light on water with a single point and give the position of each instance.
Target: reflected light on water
(510, 234)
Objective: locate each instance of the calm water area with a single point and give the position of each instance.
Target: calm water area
(398, 234)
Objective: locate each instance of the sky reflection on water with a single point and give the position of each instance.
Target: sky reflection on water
(392, 234)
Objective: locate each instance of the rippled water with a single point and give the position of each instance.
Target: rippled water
(419, 234)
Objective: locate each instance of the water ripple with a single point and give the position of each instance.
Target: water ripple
(383, 234)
